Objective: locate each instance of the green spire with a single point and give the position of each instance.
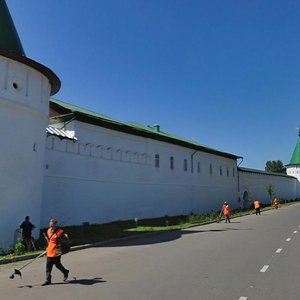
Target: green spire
(295, 160)
(9, 39)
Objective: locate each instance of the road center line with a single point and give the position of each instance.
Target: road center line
(243, 298)
(264, 269)
(278, 250)
(288, 239)
(295, 231)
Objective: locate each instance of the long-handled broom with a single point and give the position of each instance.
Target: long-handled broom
(220, 215)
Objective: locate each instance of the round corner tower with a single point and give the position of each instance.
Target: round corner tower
(25, 88)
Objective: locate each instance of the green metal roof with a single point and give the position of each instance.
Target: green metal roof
(69, 111)
(295, 160)
(9, 38)
(248, 170)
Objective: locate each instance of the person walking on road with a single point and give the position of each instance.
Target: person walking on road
(257, 206)
(54, 238)
(27, 238)
(276, 203)
(226, 212)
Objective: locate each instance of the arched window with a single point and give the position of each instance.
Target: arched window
(172, 163)
(198, 167)
(185, 165)
(156, 160)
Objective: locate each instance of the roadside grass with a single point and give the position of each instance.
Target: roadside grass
(94, 233)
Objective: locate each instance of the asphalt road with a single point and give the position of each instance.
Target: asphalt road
(252, 258)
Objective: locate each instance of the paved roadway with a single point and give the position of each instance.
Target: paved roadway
(252, 258)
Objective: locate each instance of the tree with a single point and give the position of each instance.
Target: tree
(275, 166)
(270, 190)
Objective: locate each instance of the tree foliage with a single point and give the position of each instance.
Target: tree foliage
(275, 166)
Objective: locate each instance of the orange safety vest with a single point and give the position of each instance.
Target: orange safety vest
(226, 210)
(276, 201)
(53, 248)
(256, 204)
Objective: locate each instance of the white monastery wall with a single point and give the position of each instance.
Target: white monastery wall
(24, 95)
(255, 185)
(109, 175)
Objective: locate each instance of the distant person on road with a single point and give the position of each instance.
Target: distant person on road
(54, 237)
(27, 228)
(276, 203)
(226, 212)
(257, 206)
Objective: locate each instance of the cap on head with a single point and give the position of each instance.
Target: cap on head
(225, 202)
(53, 221)
(27, 218)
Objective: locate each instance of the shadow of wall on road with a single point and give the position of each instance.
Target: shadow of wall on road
(147, 239)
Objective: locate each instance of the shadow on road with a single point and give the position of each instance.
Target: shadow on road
(212, 230)
(87, 281)
(162, 237)
(73, 281)
(147, 239)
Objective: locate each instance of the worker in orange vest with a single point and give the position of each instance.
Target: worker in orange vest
(53, 252)
(257, 206)
(226, 212)
(276, 203)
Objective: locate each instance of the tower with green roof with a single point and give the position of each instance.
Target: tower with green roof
(293, 168)
(25, 88)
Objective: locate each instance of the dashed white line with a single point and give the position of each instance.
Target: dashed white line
(264, 269)
(295, 231)
(243, 298)
(288, 239)
(278, 250)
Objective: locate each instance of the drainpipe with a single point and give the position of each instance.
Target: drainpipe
(238, 174)
(192, 161)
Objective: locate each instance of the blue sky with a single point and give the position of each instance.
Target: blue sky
(225, 74)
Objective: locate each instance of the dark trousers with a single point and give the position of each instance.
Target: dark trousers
(49, 265)
(227, 219)
(257, 211)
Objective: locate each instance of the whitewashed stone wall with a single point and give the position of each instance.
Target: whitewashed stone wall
(255, 185)
(109, 175)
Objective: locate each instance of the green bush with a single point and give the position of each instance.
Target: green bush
(19, 248)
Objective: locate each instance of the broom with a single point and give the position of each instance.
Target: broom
(220, 215)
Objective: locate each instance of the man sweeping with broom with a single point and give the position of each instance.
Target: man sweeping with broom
(55, 236)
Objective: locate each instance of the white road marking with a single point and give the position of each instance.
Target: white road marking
(278, 250)
(295, 231)
(243, 298)
(264, 269)
(288, 239)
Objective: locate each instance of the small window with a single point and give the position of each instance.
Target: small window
(198, 167)
(221, 171)
(210, 169)
(185, 165)
(156, 160)
(172, 163)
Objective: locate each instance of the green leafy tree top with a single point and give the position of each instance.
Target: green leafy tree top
(275, 166)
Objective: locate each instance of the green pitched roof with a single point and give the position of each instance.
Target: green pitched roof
(69, 112)
(295, 160)
(9, 39)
